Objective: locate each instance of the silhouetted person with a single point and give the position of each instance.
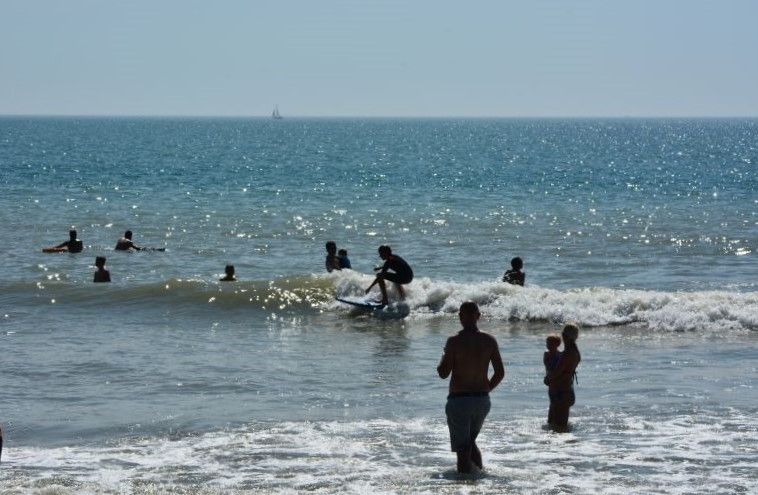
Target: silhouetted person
(561, 380)
(401, 273)
(101, 275)
(467, 356)
(332, 262)
(72, 245)
(126, 244)
(343, 260)
(229, 277)
(550, 359)
(515, 276)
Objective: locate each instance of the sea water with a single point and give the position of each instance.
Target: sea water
(166, 381)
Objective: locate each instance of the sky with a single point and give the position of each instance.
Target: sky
(404, 58)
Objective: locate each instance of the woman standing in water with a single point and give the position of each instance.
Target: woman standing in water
(561, 380)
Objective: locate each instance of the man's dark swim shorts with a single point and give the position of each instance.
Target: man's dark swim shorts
(465, 417)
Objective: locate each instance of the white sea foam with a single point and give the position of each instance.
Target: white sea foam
(608, 452)
(709, 311)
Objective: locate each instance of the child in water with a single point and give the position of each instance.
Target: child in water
(551, 356)
(343, 260)
(101, 275)
(229, 277)
(550, 359)
(515, 276)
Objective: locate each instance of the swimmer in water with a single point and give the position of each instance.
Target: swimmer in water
(229, 277)
(72, 245)
(101, 275)
(344, 261)
(126, 244)
(332, 262)
(515, 276)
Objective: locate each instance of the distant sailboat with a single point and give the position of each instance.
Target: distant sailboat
(275, 113)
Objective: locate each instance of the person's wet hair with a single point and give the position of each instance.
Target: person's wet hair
(229, 269)
(469, 307)
(385, 249)
(128, 234)
(517, 263)
(331, 246)
(570, 331)
(100, 261)
(72, 233)
(552, 341)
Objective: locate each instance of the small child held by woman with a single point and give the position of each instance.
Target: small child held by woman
(550, 359)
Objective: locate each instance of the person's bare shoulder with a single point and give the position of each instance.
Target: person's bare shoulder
(452, 342)
(488, 339)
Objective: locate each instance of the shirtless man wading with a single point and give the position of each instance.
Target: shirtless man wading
(467, 356)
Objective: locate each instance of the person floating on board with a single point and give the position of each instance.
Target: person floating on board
(515, 276)
(332, 262)
(101, 275)
(126, 244)
(229, 277)
(343, 260)
(72, 245)
(467, 357)
(401, 273)
(550, 359)
(561, 380)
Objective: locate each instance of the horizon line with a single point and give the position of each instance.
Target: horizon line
(266, 116)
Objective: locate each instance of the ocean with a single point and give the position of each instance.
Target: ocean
(642, 231)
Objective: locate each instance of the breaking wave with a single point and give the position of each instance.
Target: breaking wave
(714, 311)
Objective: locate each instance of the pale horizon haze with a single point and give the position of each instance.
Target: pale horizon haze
(389, 58)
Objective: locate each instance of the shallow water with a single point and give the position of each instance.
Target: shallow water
(643, 232)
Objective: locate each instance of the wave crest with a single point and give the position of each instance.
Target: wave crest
(589, 307)
(714, 311)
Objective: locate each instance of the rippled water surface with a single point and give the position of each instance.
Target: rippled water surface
(642, 231)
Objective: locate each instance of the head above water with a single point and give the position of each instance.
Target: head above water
(517, 263)
(570, 332)
(229, 269)
(100, 261)
(128, 234)
(552, 342)
(331, 247)
(72, 234)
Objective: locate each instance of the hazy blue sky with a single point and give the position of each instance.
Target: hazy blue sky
(380, 57)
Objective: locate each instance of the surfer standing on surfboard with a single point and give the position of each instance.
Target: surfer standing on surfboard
(401, 273)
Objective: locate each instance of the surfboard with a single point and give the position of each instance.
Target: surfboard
(361, 302)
